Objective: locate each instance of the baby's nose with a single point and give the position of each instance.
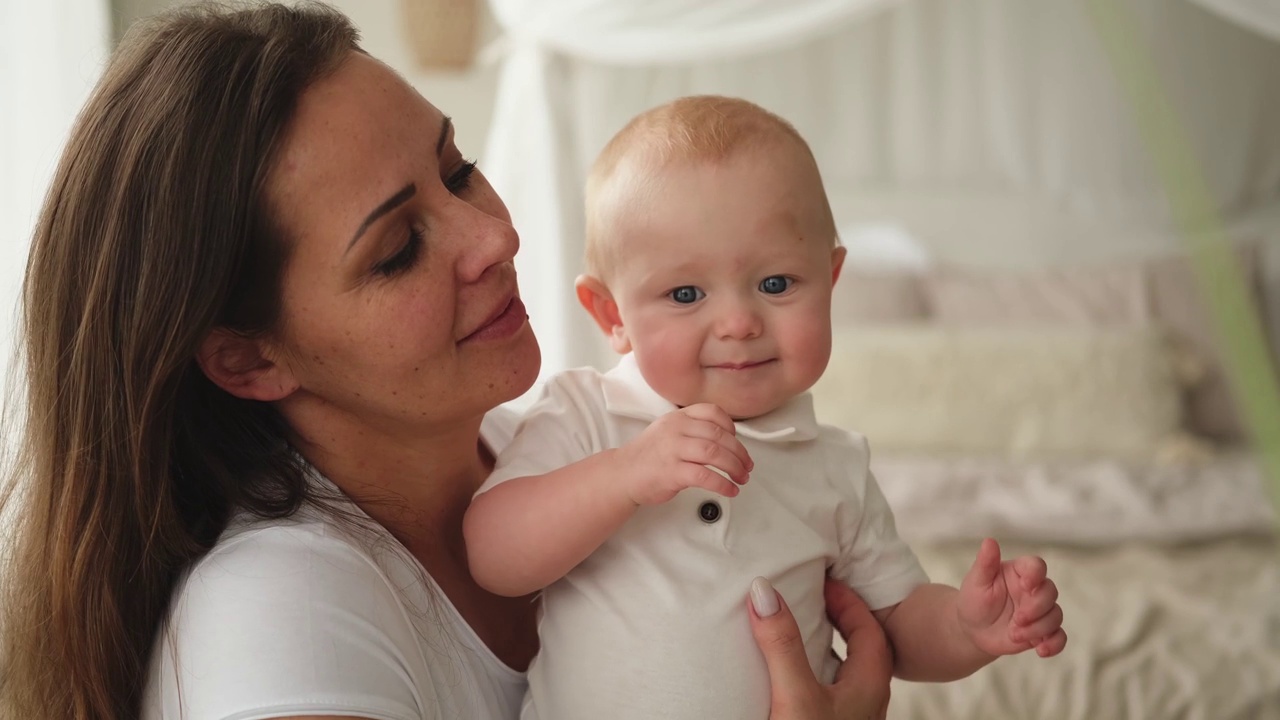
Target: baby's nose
(740, 323)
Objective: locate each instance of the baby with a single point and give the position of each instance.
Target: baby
(711, 254)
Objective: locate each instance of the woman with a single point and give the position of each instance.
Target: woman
(269, 313)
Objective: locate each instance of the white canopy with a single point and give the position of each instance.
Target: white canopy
(951, 117)
(1260, 16)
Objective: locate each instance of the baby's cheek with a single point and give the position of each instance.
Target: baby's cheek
(809, 345)
(670, 364)
(666, 375)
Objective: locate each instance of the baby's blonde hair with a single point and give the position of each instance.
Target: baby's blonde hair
(698, 128)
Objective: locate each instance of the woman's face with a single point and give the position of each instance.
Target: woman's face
(400, 307)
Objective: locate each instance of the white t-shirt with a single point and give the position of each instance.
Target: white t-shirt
(302, 616)
(654, 623)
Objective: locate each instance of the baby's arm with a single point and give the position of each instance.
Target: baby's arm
(937, 632)
(940, 633)
(928, 643)
(527, 532)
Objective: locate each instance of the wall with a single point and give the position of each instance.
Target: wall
(466, 96)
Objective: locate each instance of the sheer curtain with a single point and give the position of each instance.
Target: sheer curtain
(957, 117)
(51, 53)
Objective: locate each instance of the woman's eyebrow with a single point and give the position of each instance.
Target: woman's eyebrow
(404, 193)
(387, 206)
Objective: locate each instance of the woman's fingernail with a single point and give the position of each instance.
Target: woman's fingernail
(763, 597)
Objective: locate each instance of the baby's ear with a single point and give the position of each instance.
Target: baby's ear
(837, 262)
(598, 302)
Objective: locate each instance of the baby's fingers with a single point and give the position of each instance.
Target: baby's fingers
(1040, 628)
(707, 412)
(1031, 571)
(1037, 603)
(1053, 644)
(695, 475)
(706, 444)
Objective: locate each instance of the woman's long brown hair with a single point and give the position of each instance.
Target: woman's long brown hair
(154, 231)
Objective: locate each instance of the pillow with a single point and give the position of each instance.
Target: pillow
(1076, 297)
(1019, 392)
(1161, 291)
(872, 297)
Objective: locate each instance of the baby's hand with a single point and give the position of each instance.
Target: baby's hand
(673, 454)
(1012, 606)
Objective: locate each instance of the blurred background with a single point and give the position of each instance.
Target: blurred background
(1059, 318)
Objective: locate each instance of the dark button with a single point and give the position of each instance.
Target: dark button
(709, 511)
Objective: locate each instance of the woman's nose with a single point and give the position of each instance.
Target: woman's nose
(489, 240)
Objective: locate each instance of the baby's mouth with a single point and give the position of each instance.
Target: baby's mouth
(747, 365)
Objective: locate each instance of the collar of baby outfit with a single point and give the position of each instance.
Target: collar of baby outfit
(628, 395)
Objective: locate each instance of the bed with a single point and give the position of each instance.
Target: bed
(1187, 630)
(1069, 413)
(1169, 581)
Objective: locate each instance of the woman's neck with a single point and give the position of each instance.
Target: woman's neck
(418, 488)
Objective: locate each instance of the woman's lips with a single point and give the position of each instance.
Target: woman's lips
(505, 324)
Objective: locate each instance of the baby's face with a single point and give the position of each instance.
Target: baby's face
(723, 282)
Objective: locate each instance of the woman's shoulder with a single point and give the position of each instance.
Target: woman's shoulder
(319, 613)
(282, 613)
(290, 613)
(302, 547)
(267, 574)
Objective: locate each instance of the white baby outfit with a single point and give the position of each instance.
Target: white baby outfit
(654, 624)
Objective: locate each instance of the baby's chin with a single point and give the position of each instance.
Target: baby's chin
(738, 408)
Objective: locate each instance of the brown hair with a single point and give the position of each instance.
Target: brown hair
(697, 128)
(155, 231)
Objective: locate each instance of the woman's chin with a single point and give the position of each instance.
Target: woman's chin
(523, 365)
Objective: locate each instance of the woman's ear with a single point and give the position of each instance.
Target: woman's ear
(598, 301)
(238, 365)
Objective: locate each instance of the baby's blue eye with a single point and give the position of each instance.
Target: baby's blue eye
(775, 284)
(686, 295)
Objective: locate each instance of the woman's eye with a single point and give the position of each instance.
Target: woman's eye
(404, 258)
(775, 284)
(461, 178)
(686, 295)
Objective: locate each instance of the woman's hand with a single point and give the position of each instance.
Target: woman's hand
(861, 688)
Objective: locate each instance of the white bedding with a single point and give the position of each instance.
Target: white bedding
(940, 498)
(1161, 632)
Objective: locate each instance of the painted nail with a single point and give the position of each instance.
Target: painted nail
(764, 598)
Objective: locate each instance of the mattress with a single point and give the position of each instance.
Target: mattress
(1188, 631)
(1169, 578)
(1080, 502)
